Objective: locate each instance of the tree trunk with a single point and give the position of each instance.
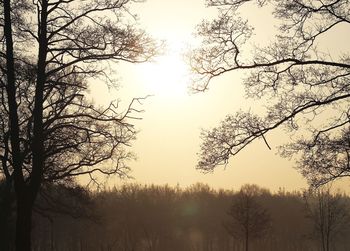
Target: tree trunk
(23, 223)
(52, 236)
(24, 201)
(327, 242)
(247, 241)
(5, 215)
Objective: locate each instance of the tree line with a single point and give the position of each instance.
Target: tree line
(198, 218)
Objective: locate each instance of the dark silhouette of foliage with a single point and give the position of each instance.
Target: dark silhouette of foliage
(305, 85)
(50, 131)
(140, 218)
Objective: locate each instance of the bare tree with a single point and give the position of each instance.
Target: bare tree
(329, 215)
(248, 219)
(50, 132)
(306, 86)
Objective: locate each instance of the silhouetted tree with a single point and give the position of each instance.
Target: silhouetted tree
(50, 132)
(329, 215)
(303, 83)
(249, 220)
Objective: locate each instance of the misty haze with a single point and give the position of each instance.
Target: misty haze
(160, 125)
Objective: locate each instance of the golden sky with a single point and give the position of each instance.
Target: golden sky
(168, 140)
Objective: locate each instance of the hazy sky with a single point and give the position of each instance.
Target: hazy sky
(168, 140)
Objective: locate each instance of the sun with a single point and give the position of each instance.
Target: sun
(167, 75)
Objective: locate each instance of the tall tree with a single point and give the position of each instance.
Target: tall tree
(248, 219)
(306, 86)
(50, 131)
(329, 215)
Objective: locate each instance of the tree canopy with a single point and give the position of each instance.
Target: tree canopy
(306, 85)
(49, 130)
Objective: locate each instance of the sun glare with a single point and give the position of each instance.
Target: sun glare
(167, 75)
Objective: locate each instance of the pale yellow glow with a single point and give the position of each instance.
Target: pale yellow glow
(169, 132)
(167, 75)
(169, 136)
